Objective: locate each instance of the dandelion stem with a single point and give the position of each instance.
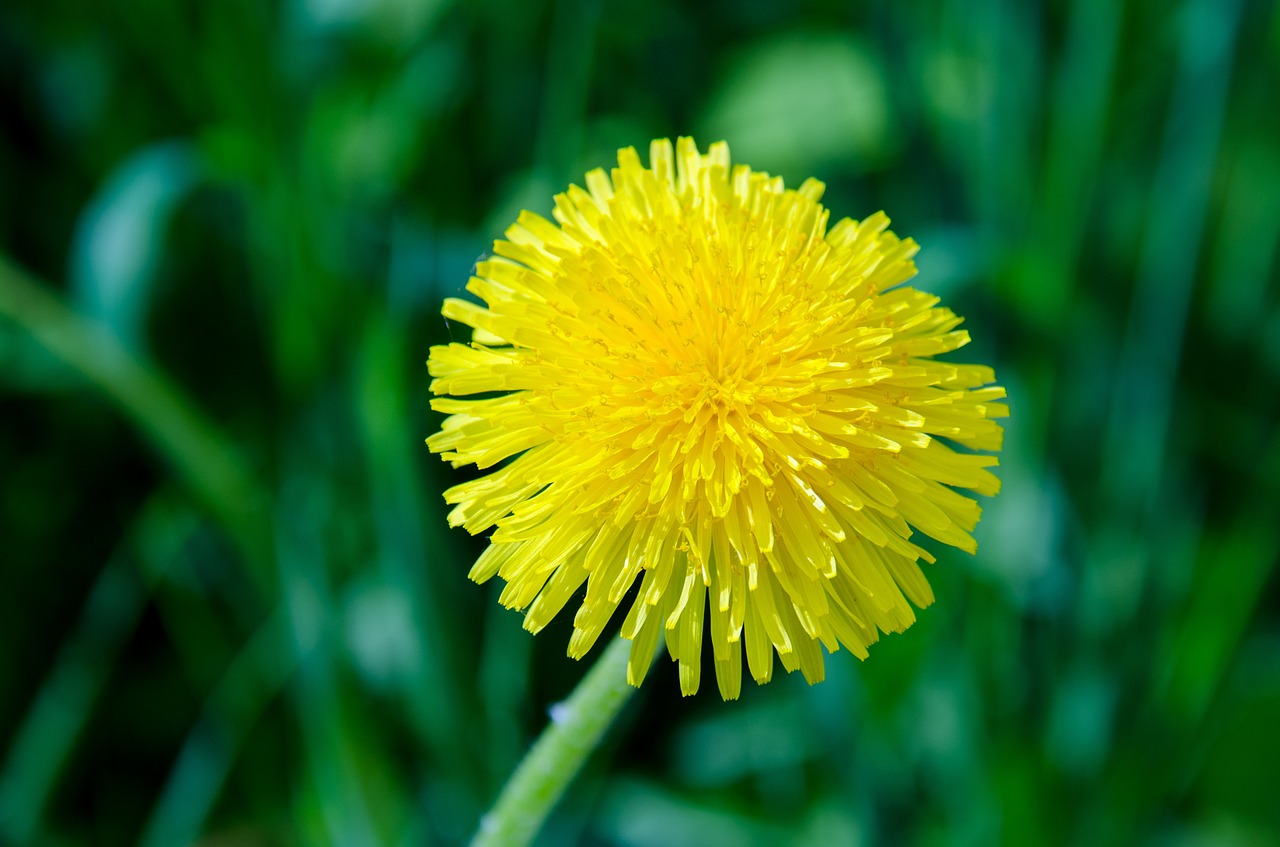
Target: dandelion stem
(576, 727)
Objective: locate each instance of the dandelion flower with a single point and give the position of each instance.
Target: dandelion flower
(689, 380)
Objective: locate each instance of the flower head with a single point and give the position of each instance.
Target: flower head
(691, 381)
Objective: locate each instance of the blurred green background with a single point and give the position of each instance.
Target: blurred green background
(232, 613)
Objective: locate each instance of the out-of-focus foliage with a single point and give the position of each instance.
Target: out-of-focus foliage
(232, 612)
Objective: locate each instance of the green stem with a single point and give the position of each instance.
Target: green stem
(556, 757)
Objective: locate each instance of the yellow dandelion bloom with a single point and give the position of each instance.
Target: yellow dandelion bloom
(690, 380)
